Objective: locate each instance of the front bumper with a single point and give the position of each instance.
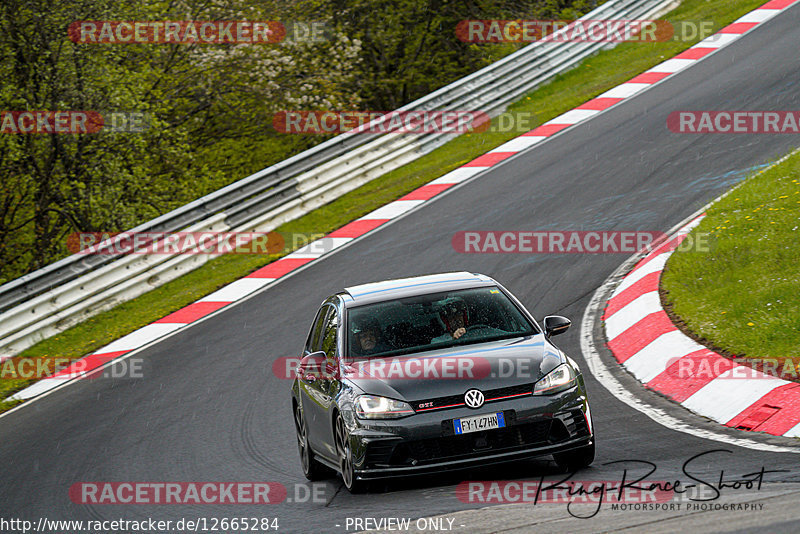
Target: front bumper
(426, 442)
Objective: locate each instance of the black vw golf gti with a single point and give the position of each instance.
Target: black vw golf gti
(436, 372)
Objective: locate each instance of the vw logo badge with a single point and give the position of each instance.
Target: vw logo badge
(473, 398)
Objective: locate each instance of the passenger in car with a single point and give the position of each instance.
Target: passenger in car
(369, 338)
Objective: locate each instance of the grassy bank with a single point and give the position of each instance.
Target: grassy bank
(594, 76)
(743, 296)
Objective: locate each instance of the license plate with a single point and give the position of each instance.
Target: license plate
(476, 423)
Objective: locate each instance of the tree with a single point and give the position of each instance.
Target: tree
(207, 106)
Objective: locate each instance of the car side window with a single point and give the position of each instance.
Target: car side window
(329, 336)
(314, 336)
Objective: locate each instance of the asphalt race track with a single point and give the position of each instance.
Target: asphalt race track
(210, 409)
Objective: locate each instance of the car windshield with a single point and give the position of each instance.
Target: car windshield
(433, 321)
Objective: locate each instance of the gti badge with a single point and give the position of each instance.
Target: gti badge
(473, 398)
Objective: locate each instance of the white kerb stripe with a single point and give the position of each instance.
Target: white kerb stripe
(725, 397)
(656, 264)
(794, 432)
(42, 386)
(632, 313)
(236, 290)
(718, 40)
(394, 209)
(672, 65)
(691, 226)
(652, 360)
(317, 248)
(519, 143)
(140, 337)
(758, 15)
(574, 116)
(625, 90)
(457, 176)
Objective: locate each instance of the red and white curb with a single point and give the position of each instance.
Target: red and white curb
(645, 341)
(261, 278)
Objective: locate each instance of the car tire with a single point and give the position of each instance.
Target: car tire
(345, 455)
(576, 459)
(312, 469)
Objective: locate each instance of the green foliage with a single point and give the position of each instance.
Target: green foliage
(410, 47)
(54, 184)
(209, 107)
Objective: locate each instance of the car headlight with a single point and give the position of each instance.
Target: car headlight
(374, 407)
(560, 378)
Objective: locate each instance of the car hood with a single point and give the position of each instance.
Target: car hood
(452, 371)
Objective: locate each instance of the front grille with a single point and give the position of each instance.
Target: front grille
(445, 448)
(458, 400)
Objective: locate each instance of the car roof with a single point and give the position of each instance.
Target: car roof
(418, 285)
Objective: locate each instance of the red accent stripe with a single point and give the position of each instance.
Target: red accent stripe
(509, 396)
(88, 363)
(192, 312)
(357, 228)
(279, 268)
(489, 159)
(109, 355)
(641, 334)
(644, 285)
(600, 103)
(787, 398)
(440, 407)
(777, 4)
(738, 27)
(649, 77)
(687, 375)
(546, 130)
(694, 53)
(426, 191)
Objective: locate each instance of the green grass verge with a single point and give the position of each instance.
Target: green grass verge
(595, 75)
(742, 297)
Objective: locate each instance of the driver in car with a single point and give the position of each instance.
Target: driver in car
(454, 317)
(367, 334)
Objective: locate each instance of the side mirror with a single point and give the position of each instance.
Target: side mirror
(310, 366)
(555, 324)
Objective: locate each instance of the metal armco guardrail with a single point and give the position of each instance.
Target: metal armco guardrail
(68, 291)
